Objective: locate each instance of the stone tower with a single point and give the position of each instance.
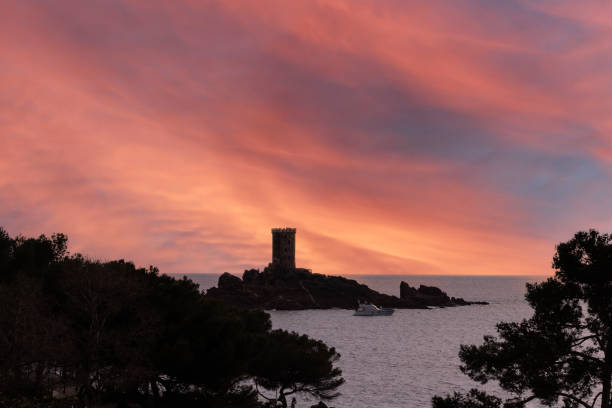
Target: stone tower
(283, 247)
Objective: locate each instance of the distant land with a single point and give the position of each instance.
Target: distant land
(282, 286)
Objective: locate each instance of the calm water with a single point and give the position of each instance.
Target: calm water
(404, 359)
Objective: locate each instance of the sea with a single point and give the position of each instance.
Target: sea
(405, 359)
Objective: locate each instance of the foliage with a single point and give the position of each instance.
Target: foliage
(563, 353)
(474, 399)
(290, 363)
(79, 332)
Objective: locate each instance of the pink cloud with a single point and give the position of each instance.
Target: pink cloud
(397, 138)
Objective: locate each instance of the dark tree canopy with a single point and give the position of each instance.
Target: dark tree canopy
(79, 332)
(562, 355)
(291, 364)
(473, 399)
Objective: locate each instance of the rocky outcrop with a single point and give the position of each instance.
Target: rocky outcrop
(433, 296)
(297, 289)
(227, 281)
(430, 295)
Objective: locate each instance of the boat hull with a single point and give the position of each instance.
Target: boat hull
(381, 312)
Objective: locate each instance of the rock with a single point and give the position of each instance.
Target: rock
(431, 295)
(227, 281)
(406, 290)
(297, 289)
(430, 291)
(250, 275)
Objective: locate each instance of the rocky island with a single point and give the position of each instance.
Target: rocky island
(282, 286)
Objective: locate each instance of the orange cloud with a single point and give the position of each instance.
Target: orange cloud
(397, 138)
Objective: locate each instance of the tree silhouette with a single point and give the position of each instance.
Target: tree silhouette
(289, 364)
(80, 332)
(563, 353)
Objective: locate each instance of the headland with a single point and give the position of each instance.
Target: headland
(282, 286)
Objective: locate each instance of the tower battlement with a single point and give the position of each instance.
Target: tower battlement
(284, 230)
(283, 247)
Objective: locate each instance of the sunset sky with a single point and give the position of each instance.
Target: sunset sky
(425, 137)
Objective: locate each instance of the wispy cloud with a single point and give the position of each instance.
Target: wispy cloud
(398, 137)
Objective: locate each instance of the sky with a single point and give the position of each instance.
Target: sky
(398, 137)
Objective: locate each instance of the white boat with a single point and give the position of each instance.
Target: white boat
(368, 309)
